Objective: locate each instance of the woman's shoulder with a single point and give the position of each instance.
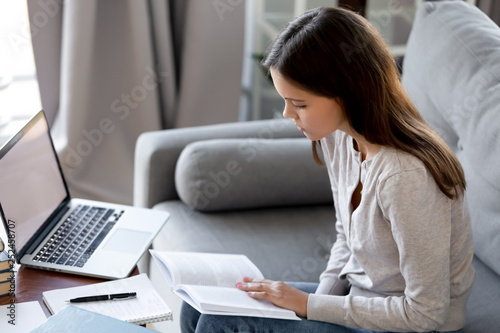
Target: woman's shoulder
(393, 162)
(401, 160)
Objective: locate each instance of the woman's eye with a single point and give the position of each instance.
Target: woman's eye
(299, 106)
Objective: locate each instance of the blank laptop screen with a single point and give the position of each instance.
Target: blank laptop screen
(31, 186)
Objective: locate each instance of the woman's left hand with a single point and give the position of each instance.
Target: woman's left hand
(278, 293)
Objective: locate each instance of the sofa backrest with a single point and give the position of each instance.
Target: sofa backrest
(156, 152)
(451, 71)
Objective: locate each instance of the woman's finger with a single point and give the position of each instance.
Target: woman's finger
(248, 279)
(252, 286)
(259, 295)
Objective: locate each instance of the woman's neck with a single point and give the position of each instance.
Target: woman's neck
(367, 149)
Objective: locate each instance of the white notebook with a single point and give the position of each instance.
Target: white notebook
(147, 307)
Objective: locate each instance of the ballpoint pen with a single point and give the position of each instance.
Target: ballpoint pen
(112, 297)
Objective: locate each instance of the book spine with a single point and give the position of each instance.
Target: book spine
(2, 246)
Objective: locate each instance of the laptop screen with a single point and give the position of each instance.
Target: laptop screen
(31, 185)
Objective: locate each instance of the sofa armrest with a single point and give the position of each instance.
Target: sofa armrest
(156, 153)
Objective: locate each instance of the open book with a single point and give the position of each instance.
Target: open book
(207, 282)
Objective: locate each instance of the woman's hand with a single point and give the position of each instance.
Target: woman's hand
(278, 293)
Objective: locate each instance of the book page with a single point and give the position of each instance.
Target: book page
(208, 269)
(233, 301)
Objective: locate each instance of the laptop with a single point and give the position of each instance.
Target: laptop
(50, 230)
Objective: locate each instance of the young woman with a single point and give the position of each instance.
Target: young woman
(402, 258)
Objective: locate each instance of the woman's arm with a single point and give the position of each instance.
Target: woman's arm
(329, 281)
(420, 219)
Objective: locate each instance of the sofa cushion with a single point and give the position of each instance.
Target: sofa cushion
(229, 174)
(484, 302)
(452, 73)
(268, 236)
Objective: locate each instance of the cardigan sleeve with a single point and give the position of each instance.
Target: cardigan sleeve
(330, 283)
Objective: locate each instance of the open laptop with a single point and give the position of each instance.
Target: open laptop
(50, 230)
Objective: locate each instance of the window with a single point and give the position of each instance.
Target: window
(265, 18)
(19, 94)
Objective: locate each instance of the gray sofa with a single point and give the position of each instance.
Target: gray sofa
(253, 187)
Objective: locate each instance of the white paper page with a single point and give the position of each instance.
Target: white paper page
(235, 301)
(147, 304)
(26, 317)
(209, 269)
(232, 299)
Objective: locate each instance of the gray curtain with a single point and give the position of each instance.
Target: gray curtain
(109, 70)
(490, 8)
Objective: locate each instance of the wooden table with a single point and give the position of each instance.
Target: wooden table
(30, 283)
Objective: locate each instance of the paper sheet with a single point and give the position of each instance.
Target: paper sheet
(21, 317)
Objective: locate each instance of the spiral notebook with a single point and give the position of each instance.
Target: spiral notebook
(147, 307)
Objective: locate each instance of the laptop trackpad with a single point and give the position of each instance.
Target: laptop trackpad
(127, 241)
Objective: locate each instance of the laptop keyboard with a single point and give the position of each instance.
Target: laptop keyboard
(78, 236)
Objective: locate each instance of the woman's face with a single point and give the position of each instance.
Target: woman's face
(315, 116)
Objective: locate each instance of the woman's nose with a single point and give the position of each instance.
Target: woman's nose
(288, 112)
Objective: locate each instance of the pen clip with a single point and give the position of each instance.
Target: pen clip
(122, 298)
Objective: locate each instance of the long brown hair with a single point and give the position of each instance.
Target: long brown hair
(336, 53)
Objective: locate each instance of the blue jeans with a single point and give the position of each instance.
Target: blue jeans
(192, 321)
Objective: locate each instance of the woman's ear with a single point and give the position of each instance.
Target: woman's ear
(340, 102)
